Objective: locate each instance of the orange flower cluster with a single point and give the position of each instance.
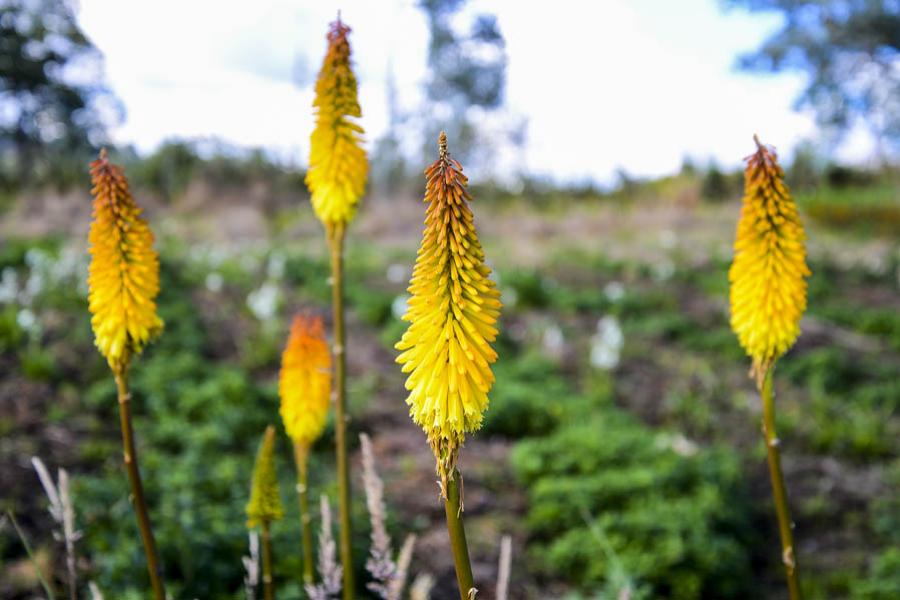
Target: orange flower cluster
(305, 380)
(452, 312)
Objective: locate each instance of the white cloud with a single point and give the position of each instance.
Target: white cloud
(603, 84)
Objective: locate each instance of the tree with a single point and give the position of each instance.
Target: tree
(52, 110)
(466, 83)
(389, 168)
(850, 50)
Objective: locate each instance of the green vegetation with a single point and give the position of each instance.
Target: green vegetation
(868, 209)
(659, 453)
(674, 518)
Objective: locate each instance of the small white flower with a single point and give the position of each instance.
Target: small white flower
(668, 239)
(678, 443)
(9, 286)
(663, 270)
(39, 263)
(214, 282)
(35, 258)
(606, 344)
(614, 291)
(553, 341)
(876, 265)
(263, 302)
(396, 273)
(275, 268)
(399, 306)
(27, 320)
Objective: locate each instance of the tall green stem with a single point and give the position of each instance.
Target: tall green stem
(336, 241)
(137, 488)
(453, 509)
(268, 582)
(301, 457)
(779, 492)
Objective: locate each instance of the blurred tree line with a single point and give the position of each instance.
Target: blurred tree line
(54, 108)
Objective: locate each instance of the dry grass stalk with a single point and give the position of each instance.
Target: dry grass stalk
(403, 560)
(63, 512)
(96, 594)
(251, 566)
(421, 587)
(389, 575)
(380, 563)
(504, 568)
(330, 572)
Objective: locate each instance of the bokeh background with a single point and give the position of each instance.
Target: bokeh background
(604, 142)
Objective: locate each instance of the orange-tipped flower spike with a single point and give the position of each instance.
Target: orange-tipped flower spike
(768, 275)
(452, 312)
(337, 162)
(123, 278)
(305, 380)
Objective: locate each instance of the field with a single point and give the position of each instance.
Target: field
(622, 447)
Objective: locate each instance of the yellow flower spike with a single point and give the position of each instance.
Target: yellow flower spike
(453, 311)
(265, 497)
(768, 285)
(123, 278)
(337, 162)
(305, 380)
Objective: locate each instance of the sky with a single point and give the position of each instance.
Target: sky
(606, 85)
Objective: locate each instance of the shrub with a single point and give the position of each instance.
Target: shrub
(530, 398)
(530, 288)
(676, 521)
(883, 581)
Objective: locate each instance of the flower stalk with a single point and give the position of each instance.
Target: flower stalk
(268, 580)
(768, 298)
(301, 458)
(129, 455)
(452, 315)
(341, 418)
(123, 281)
(453, 508)
(779, 490)
(338, 169)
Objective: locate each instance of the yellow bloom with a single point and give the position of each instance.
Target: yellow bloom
(337, 163)
(265, 497)
(123, 278)
(305, 380)
(768, 285)
(452, 311)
